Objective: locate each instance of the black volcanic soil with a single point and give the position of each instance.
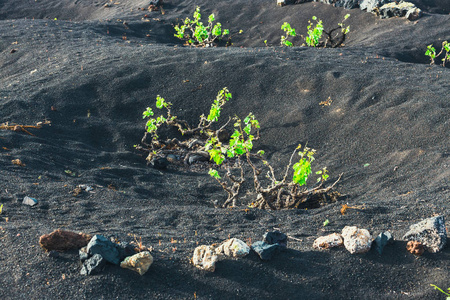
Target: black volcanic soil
(78, 65)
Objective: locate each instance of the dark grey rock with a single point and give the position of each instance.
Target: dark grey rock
(371, 5)
(160, 163)
(172, 158)
(430, 232)
(125, 250)
(275, 237)
(196, 157)
(298, 1)
(383, 239)
(156, 2)
(53, 254)
(83, 254)
(107, 249)
(266, 251)
(93, 265)
(347, 4)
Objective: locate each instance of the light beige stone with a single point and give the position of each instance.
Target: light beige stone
(356, 240)
(205, 258)
(140, 262)
(328, 241)
(233, 247)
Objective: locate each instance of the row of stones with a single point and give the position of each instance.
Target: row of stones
(96, 251)
(383, 8)
(429, 234)
(205, 257)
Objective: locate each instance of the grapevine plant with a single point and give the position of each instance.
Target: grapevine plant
(334, 38)
(232, 156)
(195, 33)
(431, 52)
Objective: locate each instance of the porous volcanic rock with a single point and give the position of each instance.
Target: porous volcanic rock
(399, 9)
(415, 247)
(63, 240)
(233, 248)
(328, 241)
(205, 258)
(430, 232)
(348, 4)
(371, 5)
(356, 240)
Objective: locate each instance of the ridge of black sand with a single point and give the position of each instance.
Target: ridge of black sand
(390, 109)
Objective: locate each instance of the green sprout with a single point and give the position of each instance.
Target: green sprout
(324, 174)
(214, 174)
(431, 53)
(222, 97)
(302, 168)
(344, 29)
(446, 47)
(442, 291)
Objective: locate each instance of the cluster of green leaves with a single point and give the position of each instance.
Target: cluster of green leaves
(314, 32)
(289, 32)
(196, 33)
(442, 291)
(302, 169)
(344, 29)
(431, 52)
(154, 123)
(241, 142)
(222, 97)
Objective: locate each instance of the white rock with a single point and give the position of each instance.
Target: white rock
(328, 241)
(29, 201)
(234, 248)
(281, 2)
(205, 258)
(414, 14)
(356, 240)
